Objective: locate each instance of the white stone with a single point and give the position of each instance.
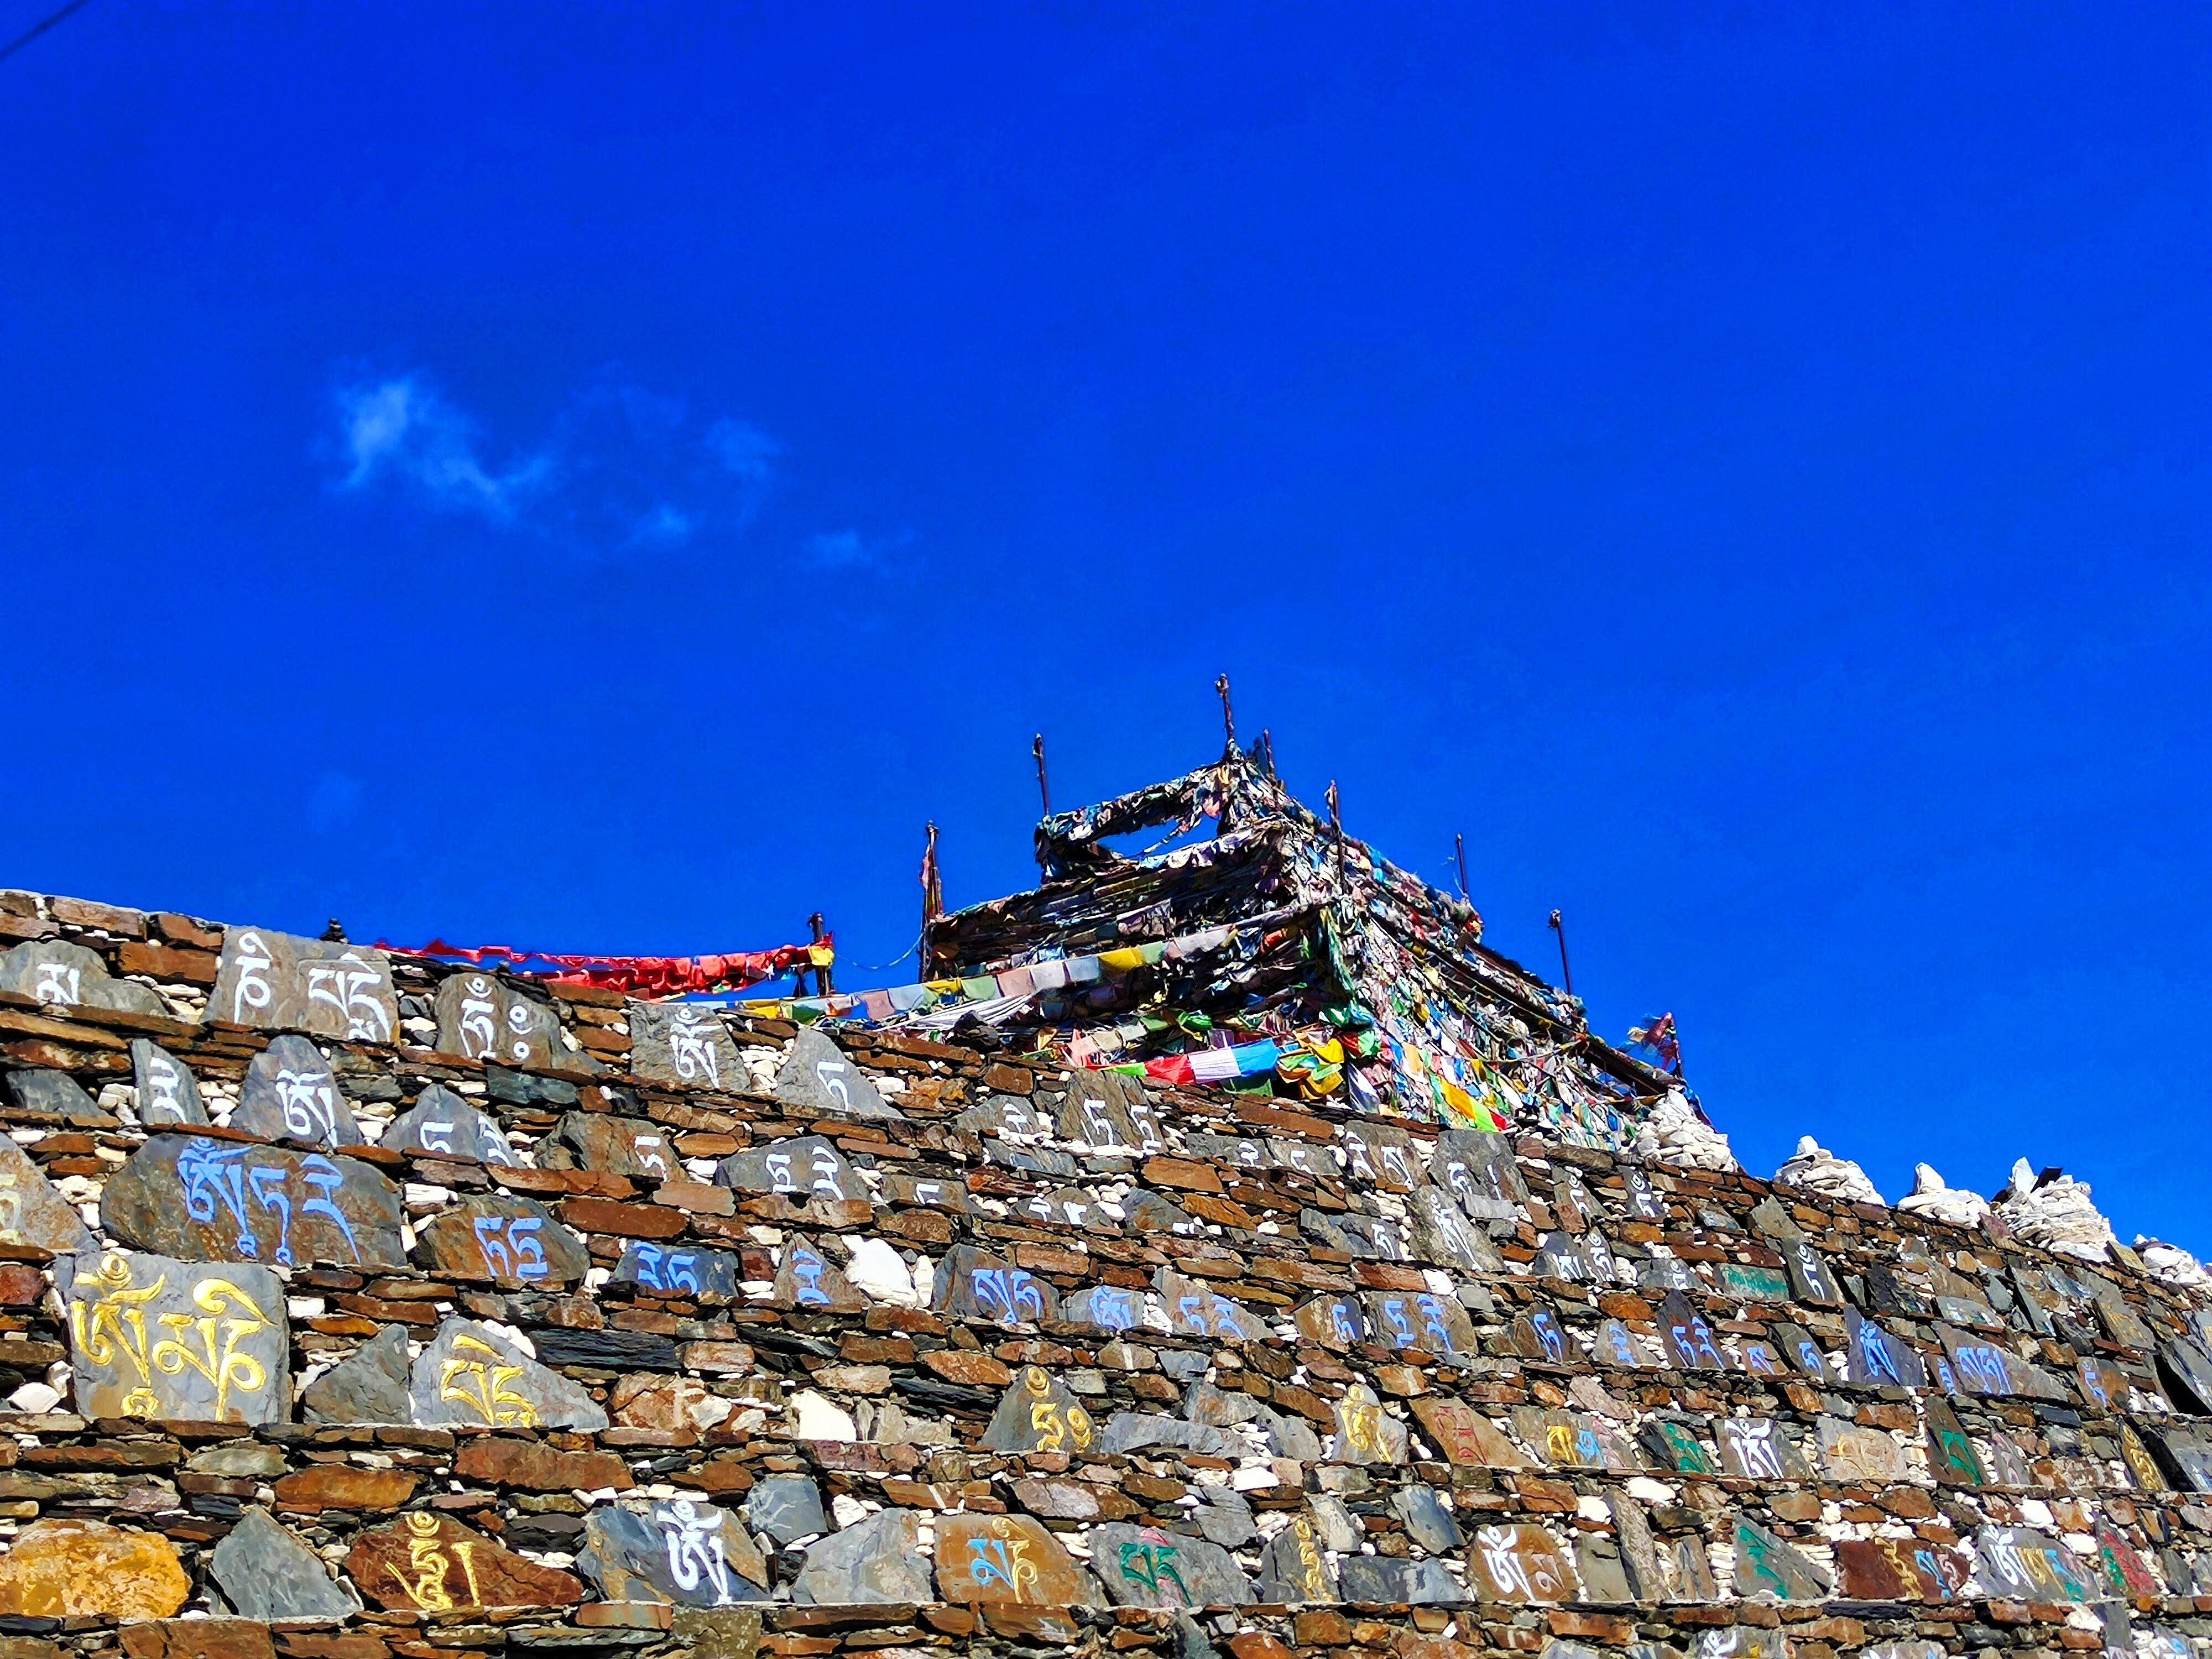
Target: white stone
(2172, 1263)
(1253, 1478)
(1815, 1168)
(35, 1397)
(1674, 1133)
(814, 1417)
(1930, 1197)
(1645, 1489)
(847, 1510)
(2055, 1214)
(881, 1273)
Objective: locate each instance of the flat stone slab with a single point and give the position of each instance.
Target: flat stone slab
(204, 1200)
(369, 1385)
(41, 1092)
(151, 1336)
(684, 1043)
(274, 982)
(480, 1017)
(1145, 1567)
(86, 1569)
(636, 1148)
(32, 1213)
(1039, 1412)
(442, 1122)
(816, 1079)
(265, 1571)
(1009, 1558)
(514, 1241)
(681, 1551)
(168, 1094)
(433, 1563)
(290, 1093)
(709, 1276)
(786, 1507)
(472, 1376)
(1382, 1579)
(804, 1166)
(64, 975)
(878, 1560)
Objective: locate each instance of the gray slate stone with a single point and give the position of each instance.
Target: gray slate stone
(204, 1200)
(685, 1551)
(1145, 1567)
(878, 1559)
(32, 1212)
(369, 1385)
(1128, 1432)
(56, 1094)
(1039, 1412)
(492, 1384)
(167, 1092)
(1427, 1521)
(786, 1507)
(515, 1242)
(265, 1572)
(291, 1094)
(707, 1276)
(819, 1080)
(442, 1123)
(1294, 1567)
(972, 1285)
(1225, 1517)
(804, 1166)
(274, 982)
(683, 1042)
(64, 975)
(225, 1335)
(480, 1016)
(1380, 1578)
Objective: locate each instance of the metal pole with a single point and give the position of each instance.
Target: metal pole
(1565, 972)
(1336, 822)
(1044, 791)
(1228, 714)
(821, 975)
(1459, 845)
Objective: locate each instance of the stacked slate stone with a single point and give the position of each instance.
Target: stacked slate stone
(352, 1306)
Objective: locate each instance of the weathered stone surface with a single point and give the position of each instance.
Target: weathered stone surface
(805, 1166)
(1294, 1567)
(816, 1080)
(1852, 1452)
(442, 1122)
(1421, 1320)
(174, 1638)
(1193, 1309)
(480, 1016)
(681, 1551)
(342, 1486)
(433, 1563)
(78, 1568)
(222, 1201)
(1008, 1557)
(472, 1375)
(1521, 1563)
(718, 1634)
(808, 1280)
(691, 1270)
(276, 981)
(1145, 1567)
(1428, 1521)
(1380, 1578)
(151, 1336)
(514, 1241)
(368, 1386)
(32, 1212)
(973, 1284)
(683, 1042)
(40, 1092)
(1757, 1448)
(1365, 1433)
(533, 1466)
(878, 1560)
(2020, 1564)
(167, 1092)
(1107, 1308)
(265, 1571)
(635, 1147)
(786, 1507)
(1038, 1413)
(290, 1094)
(64, 975)
(1766, 1569)
(1465, 1436)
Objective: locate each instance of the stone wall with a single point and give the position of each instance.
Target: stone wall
(350, 1306)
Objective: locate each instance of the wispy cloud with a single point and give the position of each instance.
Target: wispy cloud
(849, 550)
(620, 469)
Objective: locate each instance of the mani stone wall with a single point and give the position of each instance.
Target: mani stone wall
(352, 1306)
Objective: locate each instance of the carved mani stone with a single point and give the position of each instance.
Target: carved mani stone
(807, 1281)
(167, 1094)
(62, 975)
(32, 1212)
(226, 1200)
(433, 1563)
(1145, 1567)
(290, 1093)
(635, 1147)
(804, 1166)
(1520, 1563)
(1766, 1569)
(1008, 1557)
(683, 1551)
(684, 1043)
(706, 1276)
(443, 1124)
(199, 1342)
(515, 1242)
(817, 1080)
(1038, 1413)
(274, 982)
(971, 1285)
(482, 1017)
(474, 1376)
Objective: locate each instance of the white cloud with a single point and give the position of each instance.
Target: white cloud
(620, 469)
(849, 549)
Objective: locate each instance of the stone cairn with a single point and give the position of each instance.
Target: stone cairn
(353, 1307)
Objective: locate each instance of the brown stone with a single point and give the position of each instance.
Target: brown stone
(533, 1465)
(968, 1366)
(1183, 1174)
(201, 1638)
(161, 961)
(433, 1563)
(982, 1558)
(1257, 1644)
(342, 1486)
(602, 1215)
(68, 1569)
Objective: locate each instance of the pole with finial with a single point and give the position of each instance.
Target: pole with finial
(1267, 751)
(933, 895)
(1565, 972)
(1459, 846)
(1228, 715)
(1336, 822)
(821, 986)
(1044, 796)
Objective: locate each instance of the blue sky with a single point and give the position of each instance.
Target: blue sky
(601, 478)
